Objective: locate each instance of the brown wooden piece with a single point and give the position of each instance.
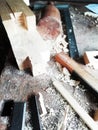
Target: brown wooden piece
(96, 115)
(73, 66)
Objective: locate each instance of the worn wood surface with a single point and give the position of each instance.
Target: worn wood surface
(84, 115)
(73, 66)
(20, 24)
(4, 10)
(91, 58)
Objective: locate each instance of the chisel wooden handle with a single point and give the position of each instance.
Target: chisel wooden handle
(73, 66)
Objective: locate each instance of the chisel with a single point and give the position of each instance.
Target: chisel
(77, 69)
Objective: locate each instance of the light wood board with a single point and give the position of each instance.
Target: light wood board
(20, 24)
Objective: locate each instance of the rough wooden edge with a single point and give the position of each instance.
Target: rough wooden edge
(80, 111)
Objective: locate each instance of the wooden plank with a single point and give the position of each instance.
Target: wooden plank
(80, 111)
(74, 67)
(22, 13)
(91, 58)
(16, 6)
(19, 6)
(4, 10)
(27, 45)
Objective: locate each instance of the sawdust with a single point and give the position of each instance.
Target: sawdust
(85, 29)
(17, 85)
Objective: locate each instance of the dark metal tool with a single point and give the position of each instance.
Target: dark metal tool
(73, 50)
(16, 113)
(18, 116)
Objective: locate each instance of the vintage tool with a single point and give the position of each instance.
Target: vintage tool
(73, 50)
(65, 15)
(75, 68)
(49, 26)
(16, 113)
(22, 19)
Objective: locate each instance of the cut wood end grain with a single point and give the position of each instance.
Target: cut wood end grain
(75, 67)
(96, 115)
(19, 6)
(91, 58)
(21, 19)
(25, 40)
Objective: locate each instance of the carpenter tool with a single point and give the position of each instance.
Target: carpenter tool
(73, 50)
(76, 69)
(65, 15)
(16, 113)
(18, 118)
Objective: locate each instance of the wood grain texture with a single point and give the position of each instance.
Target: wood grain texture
(91, 58)
(19, 6)
(4, 10)
(72, 65)
(20, 24)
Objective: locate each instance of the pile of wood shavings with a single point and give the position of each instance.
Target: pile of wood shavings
(22, 84)
(15, 84)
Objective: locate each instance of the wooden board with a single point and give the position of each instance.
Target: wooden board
(80, 111)
(4, 10)
(20, 24)
(91, 58)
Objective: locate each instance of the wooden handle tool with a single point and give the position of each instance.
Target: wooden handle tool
(75, 67)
